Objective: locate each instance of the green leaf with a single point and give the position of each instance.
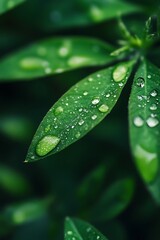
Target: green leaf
(56, 14)
(54, 56)
(13, 182)
(6, 5)
(26, 212)
(79, 110)
(80, 230)
(114, 200)
(144, 115)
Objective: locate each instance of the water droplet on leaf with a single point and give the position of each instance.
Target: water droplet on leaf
(103, 108)
(154, 93)
(138, 121)
(152, 122)
(47, 144)
(95, 101)
(58, 110)
(140, 82)
(120, 73)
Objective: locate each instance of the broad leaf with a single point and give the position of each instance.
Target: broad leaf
(56, 14)
(79, 110)
(6, 5)
(114, 200)
(80, 230)
(54, 56)
(144, 112)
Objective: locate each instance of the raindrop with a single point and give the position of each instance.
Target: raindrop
(140, 82)
(149, 76)
(78, 61)
(108, 95)
(47, 144)
(138, 121)
(154, 93)
(120, 73)
(152, 122)
(58, 110)
(153, 107)
(95, 101)
(94, 117)
(85, 93)
(81, 122)
(103, 108)
(78, 135)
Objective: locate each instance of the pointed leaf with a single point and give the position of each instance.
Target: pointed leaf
(114, 200)
(80, 230)
(6, 5)
(54, 56)
(144, 112)
(79, 110)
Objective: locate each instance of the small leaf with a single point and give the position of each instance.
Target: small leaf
(54, 56)
(79, 110)
(114, 200)
(26, 212)
(144, 112)
(80, 230)
(6, 5)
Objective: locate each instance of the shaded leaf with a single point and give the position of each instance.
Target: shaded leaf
(79, 110)
(26, 212)
(144, 115)
(61, 14)
(114, 200)
(54, 56)
(13, 182)
(6, 5)
(80, 230)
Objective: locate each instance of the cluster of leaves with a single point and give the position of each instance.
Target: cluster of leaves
(86, 104)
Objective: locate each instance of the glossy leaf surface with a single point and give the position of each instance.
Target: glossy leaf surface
(79, 110)
(144, 113)
(54, 56)
(80, 230)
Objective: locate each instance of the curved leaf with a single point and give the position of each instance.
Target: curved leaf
(79, 110)
(144, 112)
(6, 5)
(114, 200)
(80, 230)
(54, 56)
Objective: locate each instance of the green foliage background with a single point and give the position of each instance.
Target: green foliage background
(95, 179)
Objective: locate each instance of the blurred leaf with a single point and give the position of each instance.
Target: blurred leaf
(13, 182)
(114, 200)
(52, 56)
(63, 14)
(79, 110)
(26, 212)
(93, 183)
(15, 127)
(6, 5)
(80, 230)
(144, 114)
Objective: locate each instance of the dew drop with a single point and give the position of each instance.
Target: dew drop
(77, 135)
(149, 76)
(153, 107)
(81, 122)
(46, 144)
(140, 82)
(120, 73)
(152, 122)
(95, 101)
(103, 108)
(85, 93)
(94, 117)
(154, 93)
(58, 110)
(138, 121)
(78, 61)
(108, 95)
(32, 63)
